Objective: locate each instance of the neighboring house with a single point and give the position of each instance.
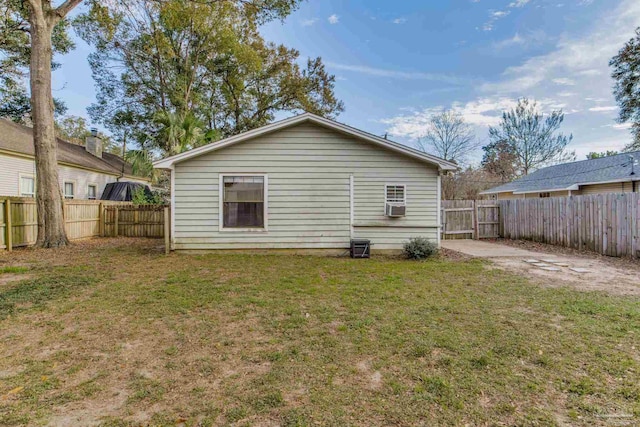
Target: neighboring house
(304, 182)
(83, 170)
(613, 174)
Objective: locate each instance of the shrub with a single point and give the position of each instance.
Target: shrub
(420, 248)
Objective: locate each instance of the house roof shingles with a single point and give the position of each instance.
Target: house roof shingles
(19, 139)
(568, 176)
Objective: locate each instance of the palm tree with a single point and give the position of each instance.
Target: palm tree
(178, 132)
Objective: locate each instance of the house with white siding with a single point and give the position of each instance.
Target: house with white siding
(303, 183)
(83, 171)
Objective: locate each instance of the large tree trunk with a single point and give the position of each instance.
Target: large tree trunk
(51, 232)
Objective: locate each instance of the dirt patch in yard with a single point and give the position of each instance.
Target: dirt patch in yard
(616, 276)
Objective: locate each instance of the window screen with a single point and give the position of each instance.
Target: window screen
(69, 192)
(27, 186)
(243, 203)
(395, 194)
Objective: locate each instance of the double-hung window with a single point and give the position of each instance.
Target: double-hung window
(395, 194)
(69, 190)
(27, 186)
(92, 191)
(243, 201)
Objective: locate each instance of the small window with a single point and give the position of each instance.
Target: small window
(396, 194)
(545, 195)
(92, 190)
(243, 201)
(27, 186)
(69, 190)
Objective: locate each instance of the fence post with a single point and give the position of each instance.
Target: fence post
(115, 221)
(8, 236)
(101, 219)
(476, 228)
(167, 231)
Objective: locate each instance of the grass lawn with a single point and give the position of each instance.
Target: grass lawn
(114, 333)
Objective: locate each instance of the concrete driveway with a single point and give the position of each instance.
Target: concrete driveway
(584, 272)
(480, 248)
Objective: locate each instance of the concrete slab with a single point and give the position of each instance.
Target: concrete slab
(531, 261)
(550, 268)
(479, 248)
(541, 264)
(560, 264)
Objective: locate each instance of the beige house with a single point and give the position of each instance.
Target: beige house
(613, 174)
(305, 182)
(83, 171)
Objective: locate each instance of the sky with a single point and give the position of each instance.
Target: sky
(398, 62)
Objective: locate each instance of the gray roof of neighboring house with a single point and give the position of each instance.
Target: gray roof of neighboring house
(19, 139)
(569, 176)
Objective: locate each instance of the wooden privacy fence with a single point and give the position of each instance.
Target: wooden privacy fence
(608, 224)
(470, 219)
(83, 219)
(135, 221)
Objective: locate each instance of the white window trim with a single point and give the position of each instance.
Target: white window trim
(92, 184)
(221, 227)
(26, 175)
(75, 187)
(404, 202)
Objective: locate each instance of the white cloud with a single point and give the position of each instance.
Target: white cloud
(522, 40)
(483, 112)
(399, 21)
(480, 113)
(494, 15)
(563, 81)
(334, 19)
(603, 109)
(397, 74)
(309, 22)
(519, 3)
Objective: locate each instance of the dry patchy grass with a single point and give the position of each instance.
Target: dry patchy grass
(114, 333)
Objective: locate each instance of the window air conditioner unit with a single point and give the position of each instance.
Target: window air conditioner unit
(395, 210)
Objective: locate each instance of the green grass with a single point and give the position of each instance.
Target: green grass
(13, 270)
(293, 340)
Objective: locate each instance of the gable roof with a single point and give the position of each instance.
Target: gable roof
(18, 139)
(168, 162)
(570, 176)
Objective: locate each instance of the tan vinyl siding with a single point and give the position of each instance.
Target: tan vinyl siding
(616, 187)
(308, 169)
(551, 194)
(509, 195)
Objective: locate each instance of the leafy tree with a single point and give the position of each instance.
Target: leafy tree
(595, 155)
(448, 136)
(15, 103)
(626, 73)
(532, 137)
(205, 60)
(178, 133)
(500, 160)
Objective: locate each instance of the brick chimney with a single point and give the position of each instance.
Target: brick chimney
(94, 143)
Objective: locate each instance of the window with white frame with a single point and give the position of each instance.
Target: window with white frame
(92, 191)
(396, 194)
(69, 190)
(27, 186)
(243, 203)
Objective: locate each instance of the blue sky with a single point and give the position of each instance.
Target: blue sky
(398, 62)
